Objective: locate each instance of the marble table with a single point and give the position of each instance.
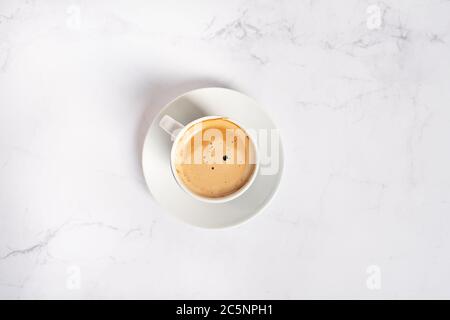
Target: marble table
(359, 89)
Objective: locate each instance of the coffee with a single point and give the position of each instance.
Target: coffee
(214, 158)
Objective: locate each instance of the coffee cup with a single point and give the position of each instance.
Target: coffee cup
(213, 159)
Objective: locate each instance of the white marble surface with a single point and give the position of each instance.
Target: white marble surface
(364, 113)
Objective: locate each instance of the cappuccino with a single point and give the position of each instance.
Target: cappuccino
(215, 158)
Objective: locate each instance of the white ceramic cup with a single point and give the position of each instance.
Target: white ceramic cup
(176, 130)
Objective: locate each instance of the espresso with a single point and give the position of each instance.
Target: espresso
(215, 158)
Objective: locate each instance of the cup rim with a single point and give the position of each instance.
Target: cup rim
(226, 198)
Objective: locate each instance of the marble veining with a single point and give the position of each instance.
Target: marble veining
(359, 90)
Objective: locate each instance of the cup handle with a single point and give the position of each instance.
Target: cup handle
(171, 126)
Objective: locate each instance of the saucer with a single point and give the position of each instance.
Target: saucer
(156, 159)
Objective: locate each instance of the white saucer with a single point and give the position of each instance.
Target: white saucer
(156, 159)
